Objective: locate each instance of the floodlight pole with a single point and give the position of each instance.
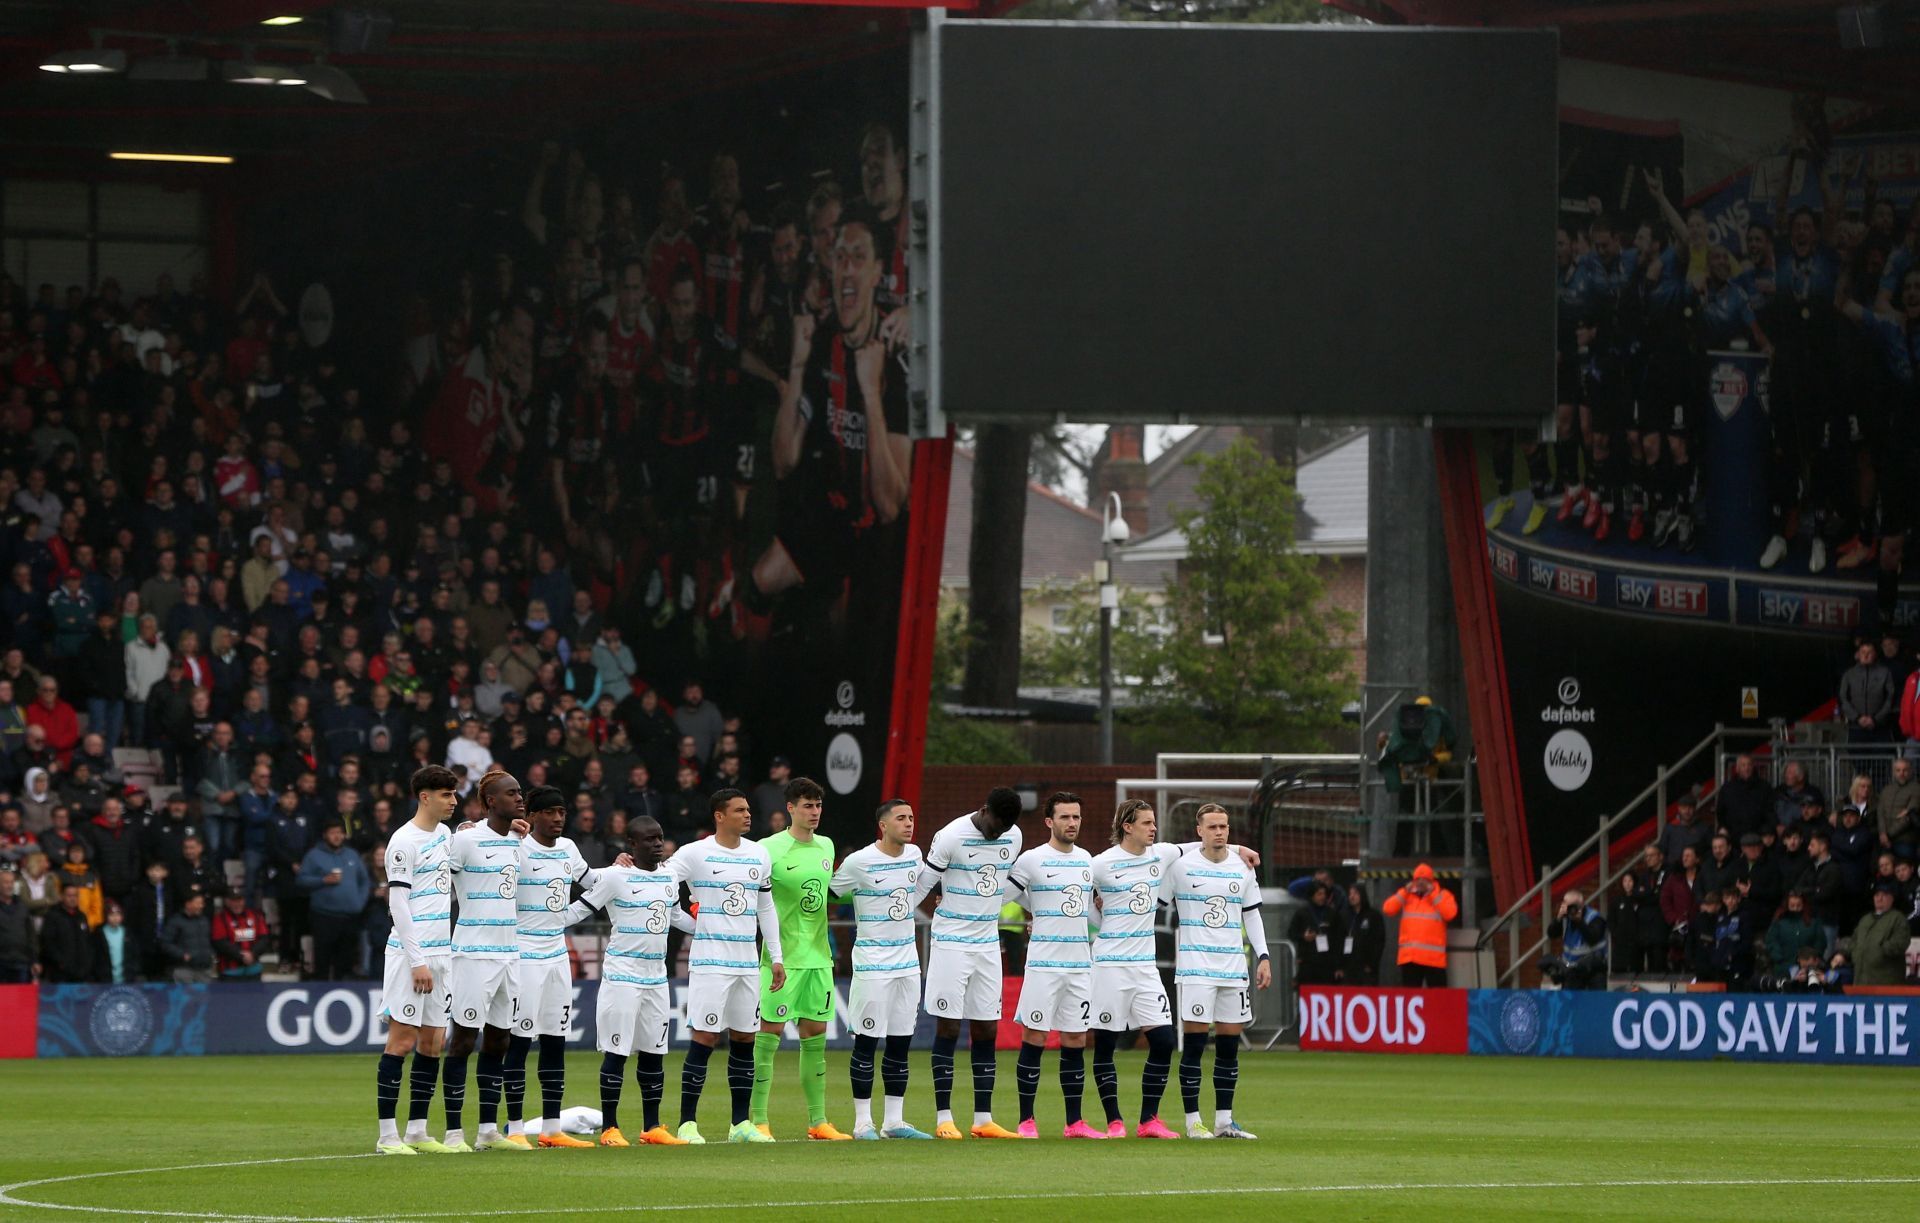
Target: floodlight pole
(1113, 529)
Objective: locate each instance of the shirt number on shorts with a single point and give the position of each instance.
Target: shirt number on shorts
(734, 901)
(1216, 913)
(1073, 902)
(657, 917)
(899, 904)
(1140, 898)
(988, 882)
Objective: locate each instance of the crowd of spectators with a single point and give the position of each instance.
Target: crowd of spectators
(1830, 296)
(244, 579)
(1780, 889)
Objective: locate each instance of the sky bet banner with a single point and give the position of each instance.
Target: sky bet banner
(311, 1017)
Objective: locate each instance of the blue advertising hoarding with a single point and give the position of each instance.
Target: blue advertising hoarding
(252, 1017)
(1864, 1030)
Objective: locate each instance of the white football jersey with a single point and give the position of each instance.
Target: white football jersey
(972, 870)
(1129, 887)
(882, 888)
(487, 869)
(641, 906)
(547, 876)
(1213, 900)
(1059, 891)
(417, 861)
(729, 885)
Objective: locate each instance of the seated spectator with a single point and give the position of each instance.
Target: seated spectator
(468, 751)
(15, 841)
(56, 718)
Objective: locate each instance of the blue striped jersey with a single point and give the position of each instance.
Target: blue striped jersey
(973, 872)
(640, 907)
(729, 885)
(1058, 884)
(547, 876)
(1129, 888)
(486, 869)
(1212, 900)
(882, 888)
(417, 860)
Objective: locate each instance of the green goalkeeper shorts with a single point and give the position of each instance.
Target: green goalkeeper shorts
(808, 995)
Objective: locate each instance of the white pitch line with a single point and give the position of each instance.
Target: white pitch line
(7, 1192)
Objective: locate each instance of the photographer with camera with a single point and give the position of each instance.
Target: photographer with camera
(1582, 931)
(1424, 909)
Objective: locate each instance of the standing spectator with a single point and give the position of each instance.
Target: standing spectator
(1758, 879)
(70, 609)
(1316, 936)
(196, 872)
(114, 847)
(1717, 873)
(222, 775)
(336, 882)
(1866, 696)
(238, 933)
(343, 726)
(1629, 942)
(1365, 942)
(1581, 962)
(115, 948)
(1794, 932)
(1909, 713)
(1791, 858)
(1793, 793)
(1732, 942)
(288, 841)
(1827, 885)
(16, 931)
(66, 940)
(699, 719)
(187, 941)
(1745, 801)
(56, 718)
(1853, 848)
(638, 798)
(1424, 909)
(686, 807)
(102, 673)
(1880, 943)
(147, 910)
(613, 659)
(1687, 830)
(257, 809)
(13, 722)
(468, 751)
(1897, 810)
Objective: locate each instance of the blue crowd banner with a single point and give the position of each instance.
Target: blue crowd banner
(1865, 1030)
(257, 1017)
(123, 1020)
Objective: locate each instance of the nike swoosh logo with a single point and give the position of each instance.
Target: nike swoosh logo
(793, 868)
(718, 871)
(488, 857)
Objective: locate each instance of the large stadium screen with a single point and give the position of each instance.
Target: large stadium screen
(1330, 223)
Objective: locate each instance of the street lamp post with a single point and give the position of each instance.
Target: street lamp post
(1113, 530)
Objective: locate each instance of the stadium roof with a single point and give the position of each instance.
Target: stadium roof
(1786, 44)
(450, 72)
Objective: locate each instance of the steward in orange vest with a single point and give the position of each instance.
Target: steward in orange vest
(1424, 909)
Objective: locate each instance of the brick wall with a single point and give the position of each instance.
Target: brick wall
(951, 790)
(1346, 579)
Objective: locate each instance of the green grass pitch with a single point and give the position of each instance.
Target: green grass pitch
(1341, 1137)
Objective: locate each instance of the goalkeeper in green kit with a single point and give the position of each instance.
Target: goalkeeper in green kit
(802, 862)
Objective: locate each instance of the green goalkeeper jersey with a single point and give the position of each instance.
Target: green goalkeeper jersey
(801, 873)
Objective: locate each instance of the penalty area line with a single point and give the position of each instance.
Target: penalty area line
(8, 1193)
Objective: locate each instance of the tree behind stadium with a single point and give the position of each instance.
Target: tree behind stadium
(1253, 661)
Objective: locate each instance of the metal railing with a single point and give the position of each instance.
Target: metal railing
(1598, 845)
